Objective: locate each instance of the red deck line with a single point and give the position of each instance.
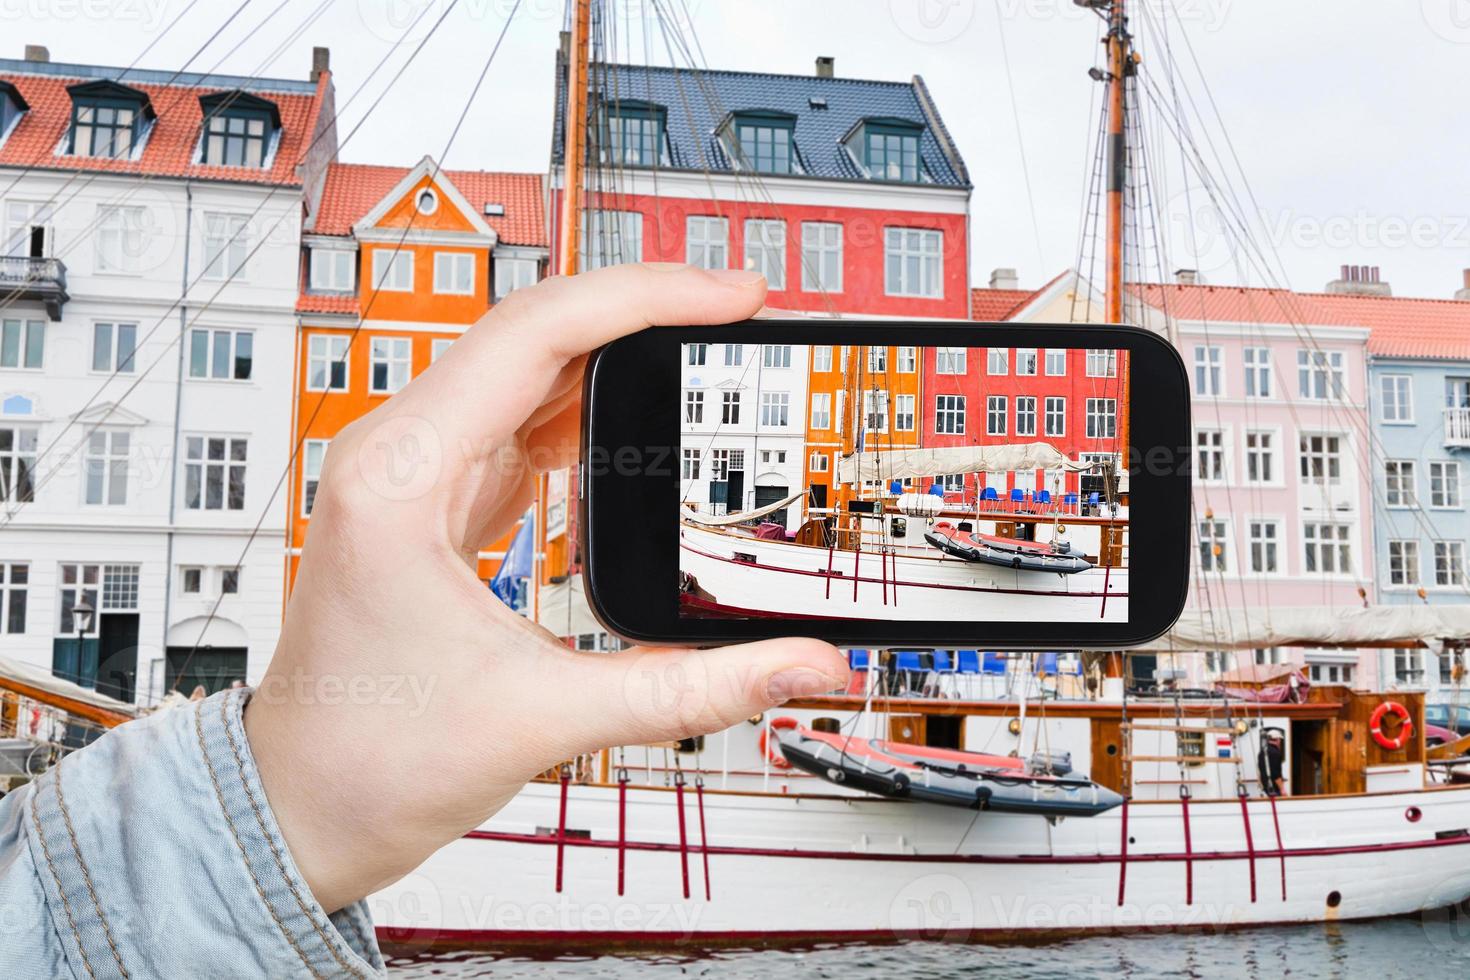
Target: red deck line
(1250, 844)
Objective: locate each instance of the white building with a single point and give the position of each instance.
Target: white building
(743, 432)
(151, 225)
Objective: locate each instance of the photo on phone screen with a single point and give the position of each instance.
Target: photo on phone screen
(950, 484)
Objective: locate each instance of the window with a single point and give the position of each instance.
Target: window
(822, 410)
(1449, 563)
(697, 354)
(1212, 542)
(15, 578)
(1056, 416)
(877, 360)
(1403, 563)
(1265, 537)
(690, 469)
(1400, 479)
(1025, 361)
(819, 463)
(1319, 374)
(995, 415)
(694, 407)
(611, 238)
(438, 346)
(226, 245)
(1257, 372)
(236, 139)
(392, 270)
(1209, 446)
(22, 343)
(1321, 459)
(214, 472)
(326, 362)
(105, 468)
(512, 273)
(332, 270)
(1219, 661)
(229, 581)
(1396, 397)
(221, 355)
(875, 410)
(1268, 655)
(1330, 673)
(1208, 367)
(1102, 363)
(1328, 548)
(891, 153)
(913, 262)
(949, 415)
(907, 360)
(1408, 667)
(765, 250)
(949, 360)
(707, 242)
(730, 408)
(390, 364)
(313, 455)
(119, 241)
(822, 359)
(734, 355)
(1444, 484)
(454, 273)
(775, 408)
(18, 464)
(997, 360)
(776, 355)
(634, 136)
(1260, 457)
(107, 128)
(821, 257)
(191, 580)
(1102, 418)
(113, 346)
(1025, 416)
(952, 482)
(903, 412)
(78, 582)
(1056, 363)
(765, 145)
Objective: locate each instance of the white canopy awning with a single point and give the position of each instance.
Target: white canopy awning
(1258, 627)
(905, 464)
(45, 682)
(725, 520)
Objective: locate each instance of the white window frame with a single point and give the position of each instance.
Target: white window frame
(1213, 532)
(997, 409)
(118, 240)
(333, 270)
(454, 273)
(875, 411)
(313, 460)
(201, 466)
(324, 350)
(226, 244)
(1449, 564)
(1319, 374)
(626, 239)
(1313, 542)
(1400, 484)
(950, 360)
(1209, 370)
(10, 590)
(707, 241)
(392, 270)
(906, 360)
(818, 253)
(212, 339)
(925, 247)
(393, 353)
(1446, 492)
(729, 408)
(997, 361)
(1403, 553)
(1260, 377)
(1102, 362)
(1026, 410)
(1401, 400)
(1027, 357)
(19, 458)
(951, 409)
(776, 356)
(1269, 453)
(25, 331)
(693, 407)
(904, 410)
(102, 458)
(438, 346)
(822, 358)
(1328, 456)
(1056, 357)
(1055, 410)
(765, 250)
(1099, 411)
(512, 272)
(821, 417)
(1211, 446)
(775, 409)
(1260, 545)
(116, 364)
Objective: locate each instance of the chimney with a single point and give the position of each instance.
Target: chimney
(321, 62)
(825, 64)
(564, 45)
(1359, 280)
(1004, 279)
(1464, 291)
(37, 52)
(1186, 277)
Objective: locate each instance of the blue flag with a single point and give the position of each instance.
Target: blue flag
(516, 565)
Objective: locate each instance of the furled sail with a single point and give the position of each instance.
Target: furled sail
(725, 520)
(1247, 628)
(905, 464)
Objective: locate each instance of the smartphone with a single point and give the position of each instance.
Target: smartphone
(887, 483)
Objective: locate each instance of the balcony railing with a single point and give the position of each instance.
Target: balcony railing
(42, 280)
(1457, 427)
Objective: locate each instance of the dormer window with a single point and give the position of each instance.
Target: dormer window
(765, 141)
(239, 129)
(108, 120)
(12, 106)
(888, 149)
(634, 134)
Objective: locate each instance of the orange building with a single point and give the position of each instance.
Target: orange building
(890, 381)
(396, 263)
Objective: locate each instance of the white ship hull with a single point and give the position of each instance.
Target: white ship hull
(807, 868)
(748, 576)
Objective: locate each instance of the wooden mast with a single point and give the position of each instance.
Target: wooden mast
(1119, 65)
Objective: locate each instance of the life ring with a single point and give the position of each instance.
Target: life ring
(1406, 725)
(773, 753)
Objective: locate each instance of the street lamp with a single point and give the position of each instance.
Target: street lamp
(81, 617)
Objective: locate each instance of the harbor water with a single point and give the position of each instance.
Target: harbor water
(1435, 944)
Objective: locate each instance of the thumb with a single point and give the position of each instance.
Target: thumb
(655, 695)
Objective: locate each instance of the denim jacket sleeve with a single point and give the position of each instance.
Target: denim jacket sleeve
(153, 852)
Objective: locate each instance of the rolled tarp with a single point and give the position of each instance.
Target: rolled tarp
(906, 464)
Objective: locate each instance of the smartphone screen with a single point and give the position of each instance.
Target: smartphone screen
(903, 483)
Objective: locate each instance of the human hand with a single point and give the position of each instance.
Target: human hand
(405, 703)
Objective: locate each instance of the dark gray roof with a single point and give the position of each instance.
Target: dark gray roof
(698, 101)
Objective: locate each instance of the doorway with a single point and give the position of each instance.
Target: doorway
(214, 668)
(117, 655)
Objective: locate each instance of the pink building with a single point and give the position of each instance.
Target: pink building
(1281, 463)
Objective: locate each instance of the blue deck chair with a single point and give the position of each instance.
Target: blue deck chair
(896, 487)
(1069, 500)
(1092, 499)
(1043, 497)
(969, 661)
(1046, 664)
(943, 662)
(994, 663)
(908, 660)
(990, 495)
(935, 490)
(858, 659)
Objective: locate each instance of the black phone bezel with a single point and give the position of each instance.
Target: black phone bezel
(630, 459)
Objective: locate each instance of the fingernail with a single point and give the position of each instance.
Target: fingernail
(737, 277)
(798, 683)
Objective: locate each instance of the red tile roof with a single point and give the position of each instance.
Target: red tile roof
(1406, 327)
(352, 189)
(1238, 304)
(997, 304)
(172, 140)
(312, 303)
